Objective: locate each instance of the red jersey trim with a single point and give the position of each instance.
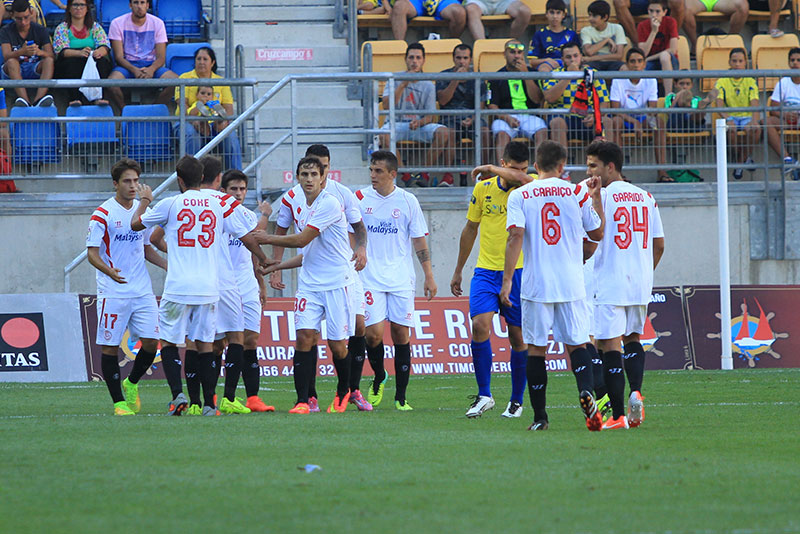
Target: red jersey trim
(99, 219)
(229, 211)
(312, 226)
(511, 227)
(286, 203)
(359, 195)
(583, 201)
(290, 193)
(101, 209)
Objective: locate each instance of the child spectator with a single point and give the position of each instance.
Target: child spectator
(739, 93)
(658, 39)
(545, 50)
(685, 98)
(603, 41)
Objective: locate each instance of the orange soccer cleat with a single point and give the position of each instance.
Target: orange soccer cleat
(619, 422)
(300, 407)
(257, 405)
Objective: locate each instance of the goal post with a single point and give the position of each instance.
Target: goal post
(724, 245)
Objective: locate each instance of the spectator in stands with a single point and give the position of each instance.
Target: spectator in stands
(205, 66)
(139, 42)
(6, 186)
(375, 7)
(418, 96)
(581, 121)
(520, 16)
(658, 39)
(460, 94)
(78, 37)
(736, 11)
(739, 93)
(545, 51)
(774, 7)
(684, 122)
(639, 93)
(603, 42)
(38, 14)
(515, 94)
(449, 10)
(787, 94)
(627, 9)
(28, 53)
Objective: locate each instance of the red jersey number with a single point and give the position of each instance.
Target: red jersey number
(629, 221)
(188, 218)
(551, 230)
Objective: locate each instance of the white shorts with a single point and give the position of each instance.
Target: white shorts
(588, 284)
(528, 126)
(403, 131)
(333, 305)
(491, 7)
(251, 308)
(194, 321)
(359, 301)
(568, 320)
(229, 312)
(397, 306)
(115, 315)
(613, 321)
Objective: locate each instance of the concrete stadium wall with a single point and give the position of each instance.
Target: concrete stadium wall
(37, 247)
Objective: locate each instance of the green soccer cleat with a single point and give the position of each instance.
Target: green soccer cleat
(403, 407)
(131, 391)
(195, 409)
(375, 397)
(234, 406)
(604, 407)
(121, 408)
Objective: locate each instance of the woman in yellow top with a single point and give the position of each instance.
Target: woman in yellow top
(205, 66)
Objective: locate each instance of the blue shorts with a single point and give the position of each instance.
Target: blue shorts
(640, 118)
(484, 295)
(26, 68)
(422, 10)
(655, 64)
(141, 64)
(577, 130)
(740, 122)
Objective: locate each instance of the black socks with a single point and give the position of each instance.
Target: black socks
(251, 372)
(312, 372)
(209, 373)
(356, 347)
(342, 366)
(375, 355)
(537, 386)
(402, 370)
(191, 371)
(582, 369)
(303, 361)
(597, 372)
(612, 369)
(172, 369)
(110, 366)
(634, 365)
(233, 369)
(141, 364)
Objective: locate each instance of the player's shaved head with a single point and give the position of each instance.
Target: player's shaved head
(190, 170)
(516, 151)
(233, 175)
(125, 164)
(388, 159)
(212, 167)
(309, 161)
(607, 152)
(549, 155)
(318, 151)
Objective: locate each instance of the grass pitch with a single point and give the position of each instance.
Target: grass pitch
(718, 452)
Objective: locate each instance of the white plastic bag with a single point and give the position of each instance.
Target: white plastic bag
(90, 73)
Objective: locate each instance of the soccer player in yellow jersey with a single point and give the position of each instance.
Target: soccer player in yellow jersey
(487, 211)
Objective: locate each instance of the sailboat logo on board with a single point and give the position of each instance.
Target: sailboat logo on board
(753, 336)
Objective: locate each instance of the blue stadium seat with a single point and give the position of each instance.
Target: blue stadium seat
(36, 142)
(180, 56)
(53, 14)
(82, 133)
(147, 141)
(183, 18)
(108, 10)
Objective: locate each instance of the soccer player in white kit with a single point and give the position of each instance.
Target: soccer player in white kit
(253, 292)
(395, 225)
(125, 297)
(548, 218)
(324, 283)
(356, 345)
(194, 224)
(625, 260)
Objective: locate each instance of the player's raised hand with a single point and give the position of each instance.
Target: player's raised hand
(276, 280)
(144, 192)
(455, 284)
(115, 276)
(360, 257)
(482, 172)
(594, 185)
(265, 208)
(430, 288)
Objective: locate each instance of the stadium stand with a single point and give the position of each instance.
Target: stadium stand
(487, 54)
(81, 134)
(770, 53)
(108, 10)
(368, 20)
(183, 19)
(36, 142)
(180, 56)
(713, 52)
(147, 141)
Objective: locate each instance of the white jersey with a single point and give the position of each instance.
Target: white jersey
(225, 271)
(242, 260)
(326, 260)
(194, 223)
(555, 214)
(392, 222)
(345, 197)
(624, 264)
(120, 248)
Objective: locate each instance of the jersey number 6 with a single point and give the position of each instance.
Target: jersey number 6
(206, 235)
(551, 230)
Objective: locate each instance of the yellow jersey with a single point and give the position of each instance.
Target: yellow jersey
(487, 207)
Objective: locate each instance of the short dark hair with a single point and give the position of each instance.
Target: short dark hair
(548, 155)
(415, 46)
(662, 3)
(20, 6)
(462, 46)
(212, 167)
(556, 5)
(125, 164)
(190, 170)
(599, 8)
(685, 72)
(794, 50)
(571, 44)
(607, 152)
(319, 151)
(233, 175)
(309, 161)
(516, 151)
(738, 50)
(386, 157)
(634, 50)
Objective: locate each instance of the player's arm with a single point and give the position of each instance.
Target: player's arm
(292, 263)
(589, 248)
(360, 252)
(300, 240)
(594, 185)
(465, 244)
(251, 241)
(513, 177)
(265, 208)
(157, 239)
(145, 199)
(275, 278)
(658, 250)
(154, 257)
(93, 255)
(424, 257)
(513, 250)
